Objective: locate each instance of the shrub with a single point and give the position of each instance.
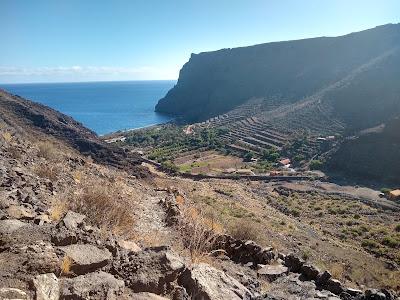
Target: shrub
(47, 151)
(248, 156)
(369, 244)
(385, 190)
(295, 212)
(305, 255)
(169, 165)
(299, 157)
(66, 265)
(103, 206)
(397, 228)
(57, 210)
(316, 164)
(390, 242)
(198, 232)
(244, 230)
(49, 171)
(6, 136)
(337, 270)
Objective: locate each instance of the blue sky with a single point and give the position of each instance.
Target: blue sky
(54, 41)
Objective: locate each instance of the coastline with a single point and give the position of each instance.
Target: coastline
(147, 127)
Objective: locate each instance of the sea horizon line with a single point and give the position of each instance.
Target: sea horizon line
(90, 81)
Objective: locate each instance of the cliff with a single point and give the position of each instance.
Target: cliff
(211, 83)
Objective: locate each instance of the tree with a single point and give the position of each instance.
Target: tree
(248, 156)
(169, 165)
(316, 164)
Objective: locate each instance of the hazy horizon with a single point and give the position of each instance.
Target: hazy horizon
(92, 81)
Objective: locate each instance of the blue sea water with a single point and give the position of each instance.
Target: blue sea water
(103, 107)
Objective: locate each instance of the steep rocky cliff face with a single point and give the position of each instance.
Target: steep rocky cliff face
(214, 82)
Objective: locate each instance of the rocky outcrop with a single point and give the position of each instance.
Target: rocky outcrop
(207, 283)
(86, 258)
(151, 270)
(272, 272)
(72, 220)
(46, 287)
(98, 285)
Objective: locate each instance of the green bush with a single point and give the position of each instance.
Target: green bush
(170, 166)
(385, 190)
(295, 212)
(248, 156)
(369, 244)
(316, 164)
(390, 242)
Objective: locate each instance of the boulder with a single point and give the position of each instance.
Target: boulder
(323, 278)
(272, 272)
(46, 287)
(63, 237)
(42, 219)
(20, 212)
(374, 295)
(42, 258)
(294, 263)
(86, 258)
(129, 245)
(354, 292)
(147, 296)
(151, 270)
(334, 286)
(98, 285)
(73, 220)
(11, 225)
(293, 287)
(309, 272)
(203, 282)
(13, 293)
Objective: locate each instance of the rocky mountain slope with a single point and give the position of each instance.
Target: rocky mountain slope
(27, 117)
(79, 227)
(211, 83)
(374, 154)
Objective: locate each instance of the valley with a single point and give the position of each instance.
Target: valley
(277, 179)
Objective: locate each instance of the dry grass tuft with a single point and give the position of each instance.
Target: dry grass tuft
(244, 230)
(7, 136)
(47, 151)
(49, 171)
(104, 206)
(180, 200)
(77, 176)
(66, 265)
(198, 232)
(57, 210)
(337, 270)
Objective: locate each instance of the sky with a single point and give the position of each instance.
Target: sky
(104, 40)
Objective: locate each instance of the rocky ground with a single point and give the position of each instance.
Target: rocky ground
(72, 227)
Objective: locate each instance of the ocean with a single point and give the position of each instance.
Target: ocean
(103, 107)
